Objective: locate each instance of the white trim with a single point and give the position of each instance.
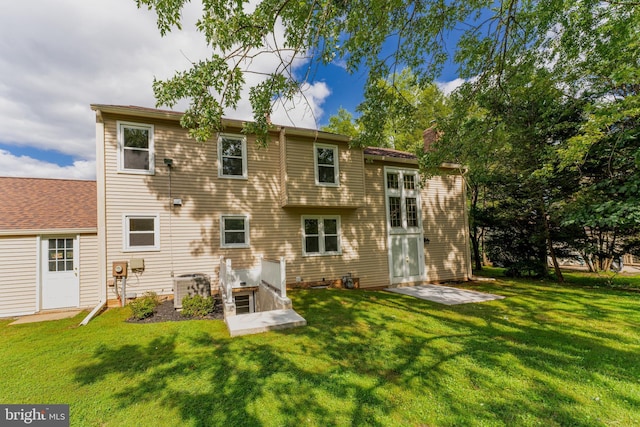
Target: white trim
(101, 207)
(77, 269)
(247, 240)
(52, 231)
(38, 273)
(243, 141)
(336, 167)
(321, 235)
(125, 232)
(43, 268)
(120, 137)
(405, 232)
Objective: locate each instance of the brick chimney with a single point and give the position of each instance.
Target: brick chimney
(429, 136)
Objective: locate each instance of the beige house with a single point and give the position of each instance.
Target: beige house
(175, 206)
(48, 245)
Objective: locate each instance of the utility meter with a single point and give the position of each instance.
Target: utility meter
(120, 269)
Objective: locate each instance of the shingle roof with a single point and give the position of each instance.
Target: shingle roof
(388, 152)
(47, 204)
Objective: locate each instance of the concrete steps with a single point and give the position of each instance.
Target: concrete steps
(254, 323)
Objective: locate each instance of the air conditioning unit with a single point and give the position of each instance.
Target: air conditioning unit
(190, 284)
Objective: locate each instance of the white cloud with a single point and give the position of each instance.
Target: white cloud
(450, 86)
(58, 57)
(304, 110)
(23, 166)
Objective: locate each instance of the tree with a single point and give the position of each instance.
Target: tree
(343, 124)
(373, 36)
(508, 133)
(404, 112)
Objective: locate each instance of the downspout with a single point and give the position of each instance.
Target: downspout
(169, 164)
(101, 219)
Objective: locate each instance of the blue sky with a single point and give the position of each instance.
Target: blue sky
(58, 57)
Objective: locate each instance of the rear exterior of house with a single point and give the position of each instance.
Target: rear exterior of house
(174, 206)
(48, 245)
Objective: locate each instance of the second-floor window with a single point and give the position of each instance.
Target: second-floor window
(232, 156)
(326, 165)
(135, 148)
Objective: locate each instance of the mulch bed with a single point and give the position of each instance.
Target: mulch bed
(166, 313)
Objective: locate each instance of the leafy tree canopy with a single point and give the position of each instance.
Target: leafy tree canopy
(359, 33)
(404, 111)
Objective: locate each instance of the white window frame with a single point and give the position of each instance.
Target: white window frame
(336, 168)
(247, 236)
(245, 169)
(125, 232)
(321, 236)
(120, 140)
(403, 194)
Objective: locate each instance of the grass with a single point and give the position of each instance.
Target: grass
(609, 279)
(546, 355)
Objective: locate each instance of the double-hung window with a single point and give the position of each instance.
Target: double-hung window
(325, 159)
(321, 235)
(135, 148)
(232, 156)
(234, 231)
(141, 232)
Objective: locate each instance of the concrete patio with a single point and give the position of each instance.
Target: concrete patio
(444, 294)
(263, 321)
(43, 317)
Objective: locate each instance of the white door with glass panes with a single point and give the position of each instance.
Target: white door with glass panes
(60, 282)
(404, 225)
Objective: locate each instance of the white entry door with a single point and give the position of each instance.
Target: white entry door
(405, 257)
(60, 282)
(404, 225)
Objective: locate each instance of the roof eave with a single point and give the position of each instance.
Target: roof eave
(150, 113)
(391, 159)
(176, 116)
(48, 231)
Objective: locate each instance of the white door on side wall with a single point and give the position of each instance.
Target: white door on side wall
(60, 282)
(404, 225)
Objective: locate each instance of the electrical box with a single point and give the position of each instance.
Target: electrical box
(136, 264)
(120, 268)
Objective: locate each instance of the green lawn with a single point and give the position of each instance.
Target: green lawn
(546, 355)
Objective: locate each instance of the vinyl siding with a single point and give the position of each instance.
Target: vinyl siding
(444, 223)
(300, 185)
(190, 242)
(89, 284)
(374, 260)
(18, 281)
(190, 234)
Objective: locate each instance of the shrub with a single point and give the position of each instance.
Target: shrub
(197, 306)
(143, 307)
